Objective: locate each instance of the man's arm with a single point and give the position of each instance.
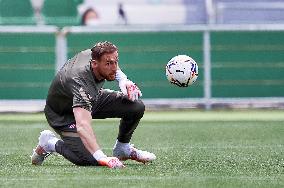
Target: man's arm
(83, 123)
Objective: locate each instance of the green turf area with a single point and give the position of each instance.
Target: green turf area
(193, 148)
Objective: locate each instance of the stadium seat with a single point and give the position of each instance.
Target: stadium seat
(16, 12)
(61, 12)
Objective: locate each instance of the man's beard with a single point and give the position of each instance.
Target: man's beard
(110, 77)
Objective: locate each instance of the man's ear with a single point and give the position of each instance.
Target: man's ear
(94, 63)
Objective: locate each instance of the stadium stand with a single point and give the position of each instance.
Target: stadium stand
(195, 12)
(139, 12)
(16, 12)
(67, 12)
(27, 64)
(248, 12)
(61, 13)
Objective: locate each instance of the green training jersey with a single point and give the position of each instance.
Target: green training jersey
(74, 85)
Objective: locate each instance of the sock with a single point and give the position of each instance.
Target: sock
(51, 144)
(125, 147)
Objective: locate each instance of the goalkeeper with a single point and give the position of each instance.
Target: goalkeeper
(75, 97)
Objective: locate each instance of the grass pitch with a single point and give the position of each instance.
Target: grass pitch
(193, 148)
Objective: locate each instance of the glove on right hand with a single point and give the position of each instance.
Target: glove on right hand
(111, 162)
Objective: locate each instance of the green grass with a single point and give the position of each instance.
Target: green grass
(193, 148)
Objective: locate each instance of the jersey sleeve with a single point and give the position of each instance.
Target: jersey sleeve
(81, 97)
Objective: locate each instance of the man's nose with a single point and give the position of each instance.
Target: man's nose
(114, 67)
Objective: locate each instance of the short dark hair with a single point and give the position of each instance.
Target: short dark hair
(102, 48)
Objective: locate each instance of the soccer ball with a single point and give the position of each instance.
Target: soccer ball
(182, 71)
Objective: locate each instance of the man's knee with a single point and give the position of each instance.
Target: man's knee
(137, 109)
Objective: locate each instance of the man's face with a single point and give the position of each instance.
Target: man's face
(106, 67)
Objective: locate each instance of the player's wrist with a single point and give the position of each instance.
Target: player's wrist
(99, 154)
(119, 76)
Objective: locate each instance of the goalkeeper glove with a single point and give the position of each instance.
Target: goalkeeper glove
(130, 89)
(111, 162)
(103, 160)
(127, 87)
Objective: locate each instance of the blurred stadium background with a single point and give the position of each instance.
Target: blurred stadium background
(238, 45)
